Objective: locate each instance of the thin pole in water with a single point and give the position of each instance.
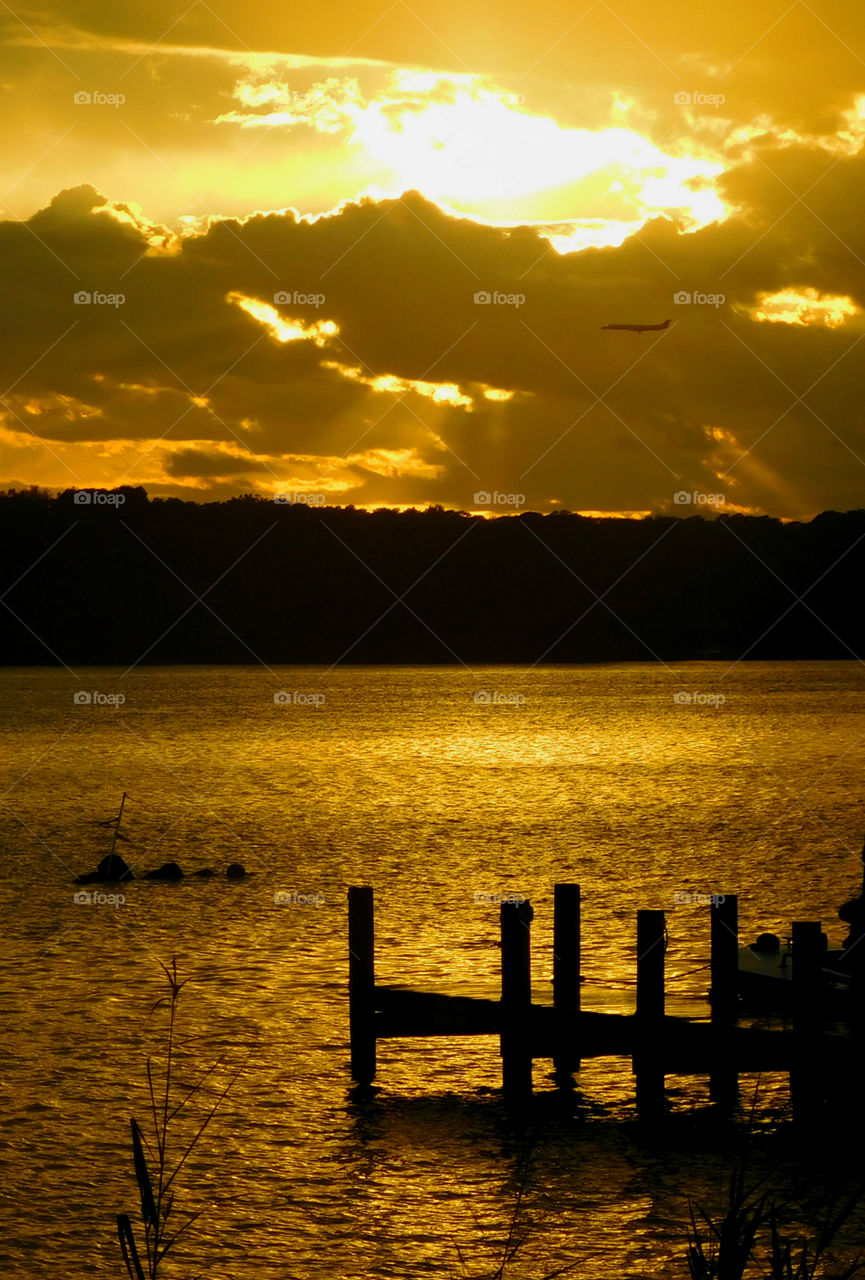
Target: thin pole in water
(117, 826)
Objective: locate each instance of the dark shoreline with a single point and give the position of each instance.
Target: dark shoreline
(246, 581)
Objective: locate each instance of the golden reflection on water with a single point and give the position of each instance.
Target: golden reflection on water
(405, 782)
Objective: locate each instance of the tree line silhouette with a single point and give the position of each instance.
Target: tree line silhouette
(170, 581)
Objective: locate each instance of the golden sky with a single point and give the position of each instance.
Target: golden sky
(362, 253)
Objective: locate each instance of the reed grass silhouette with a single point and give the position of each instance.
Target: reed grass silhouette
(726, 1247)
(155, 1172)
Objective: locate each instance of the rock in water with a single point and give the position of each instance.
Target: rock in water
(168, 871)
(111, 868)
(236, 871)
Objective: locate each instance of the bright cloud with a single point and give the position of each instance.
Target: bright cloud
(803, 307)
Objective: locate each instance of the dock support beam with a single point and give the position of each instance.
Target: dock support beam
(361, 983)
(807, 976)
(516, 918)
(723, 1079)
(651, 941)
(566, 970)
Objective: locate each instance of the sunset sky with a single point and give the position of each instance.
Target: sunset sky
(283, 216)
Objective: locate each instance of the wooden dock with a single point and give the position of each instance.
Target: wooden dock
(657, 1044)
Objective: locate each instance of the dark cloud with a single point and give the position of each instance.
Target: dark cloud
(596, 420)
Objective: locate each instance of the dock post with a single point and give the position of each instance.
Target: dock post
(724, 1078)
(361, 982)
(566, 973)
(651, 940)
(516, 1048)
(807, 977)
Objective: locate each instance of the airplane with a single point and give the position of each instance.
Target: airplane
(638, 328)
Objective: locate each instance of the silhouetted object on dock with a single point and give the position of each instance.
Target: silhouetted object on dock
(853, 957)
(853, 914)
(767, 976)
(776, 976)
(168, 871)
(111, 869)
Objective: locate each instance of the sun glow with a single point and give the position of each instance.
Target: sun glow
(478, 150)
(804, 307)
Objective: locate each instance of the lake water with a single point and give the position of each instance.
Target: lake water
(405, 779)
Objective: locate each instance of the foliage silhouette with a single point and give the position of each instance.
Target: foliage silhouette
(248, 580)
(157, 1191)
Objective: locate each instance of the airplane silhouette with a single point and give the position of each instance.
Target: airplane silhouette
(638, 328)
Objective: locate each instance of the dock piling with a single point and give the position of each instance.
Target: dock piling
(516, 918)
(651, 944)
(361, 982)
(566, 968)
(807, 974)
(723, 1079)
